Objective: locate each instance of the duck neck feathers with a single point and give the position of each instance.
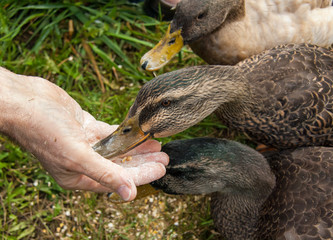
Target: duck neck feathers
(233, 93)
(241, 208)
(229, 92)
(229, 212)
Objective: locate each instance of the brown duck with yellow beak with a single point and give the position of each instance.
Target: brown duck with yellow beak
(228, 31)
(282, 98)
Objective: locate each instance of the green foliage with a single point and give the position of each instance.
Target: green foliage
(23, 185)
(92, 50)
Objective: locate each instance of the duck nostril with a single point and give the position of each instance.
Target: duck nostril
(172, 41)
(127, 130)
(144, 65)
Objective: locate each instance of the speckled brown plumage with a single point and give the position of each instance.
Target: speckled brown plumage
(282, 98)
(292, 92)
(248, 202)
(303, 195)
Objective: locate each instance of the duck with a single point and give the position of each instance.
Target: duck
(284, 194)
(282, 98)
(225, 32)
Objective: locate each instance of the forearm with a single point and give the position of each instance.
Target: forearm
(16, 106)
(8, 98)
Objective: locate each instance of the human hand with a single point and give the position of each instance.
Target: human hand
(46, 121)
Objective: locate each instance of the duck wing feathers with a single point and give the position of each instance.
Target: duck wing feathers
(292, 88)
(301, 205)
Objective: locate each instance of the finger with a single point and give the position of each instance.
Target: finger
(87, 184)
(141, 175)
(117, 178)
(137, 160)
(147, 173)
(109, 175)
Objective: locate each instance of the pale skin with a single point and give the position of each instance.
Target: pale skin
(46, 121)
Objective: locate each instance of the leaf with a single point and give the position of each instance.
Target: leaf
(17, 227)
(129, 38)
(3, 156)
(26, 232)
(116, 48)
(17, 30)
(18, 191)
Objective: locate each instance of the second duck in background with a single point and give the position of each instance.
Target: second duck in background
(228, 31)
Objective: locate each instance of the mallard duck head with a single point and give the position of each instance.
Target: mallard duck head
(197, 18)
(171, 103)
(193, 19)
(207, 165)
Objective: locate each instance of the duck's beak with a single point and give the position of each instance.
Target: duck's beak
(142, 191)
(127, 136)
(161, 54)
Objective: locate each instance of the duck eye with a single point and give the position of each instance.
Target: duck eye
(165, 103)
(201, 15)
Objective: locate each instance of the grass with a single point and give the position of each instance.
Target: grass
(92, 50)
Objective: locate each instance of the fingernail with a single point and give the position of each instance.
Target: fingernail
(124, 192)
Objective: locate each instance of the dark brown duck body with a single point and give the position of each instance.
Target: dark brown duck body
(282, 98)
(303, 195)
(299, 207)
(290, 102)
(284, 195)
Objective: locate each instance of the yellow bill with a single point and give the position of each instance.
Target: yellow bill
(162, 53)
(127, 136)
